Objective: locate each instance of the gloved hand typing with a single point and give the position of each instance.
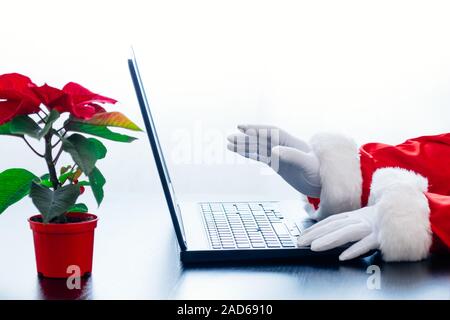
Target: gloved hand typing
(290, 157)
(359, 225)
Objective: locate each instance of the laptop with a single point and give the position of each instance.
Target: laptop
(227, 231)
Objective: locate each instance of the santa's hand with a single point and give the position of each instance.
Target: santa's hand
(290, 157)
(340, 229)
(261, 139)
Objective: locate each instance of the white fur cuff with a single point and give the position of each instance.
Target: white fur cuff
(404, 231)
(340, 174)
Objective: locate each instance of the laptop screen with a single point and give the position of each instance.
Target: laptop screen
(157, 153)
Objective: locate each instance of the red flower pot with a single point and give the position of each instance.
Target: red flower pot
(60, 246)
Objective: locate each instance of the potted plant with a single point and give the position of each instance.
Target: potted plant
(63, 231)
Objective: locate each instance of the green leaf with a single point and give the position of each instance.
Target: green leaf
(45, 176)
(5, 129)
(24, 125)
(71, 176)
(79, 207)
(97, 181)
(99, 147)
(85, 152)
(14, 185)
(51, 118)
(46, 183)
(65, 169)
(52, 204)
(111, 119)
(63, 178)
(76, 175)
(99, 131)
(84, 183)
(45, 180)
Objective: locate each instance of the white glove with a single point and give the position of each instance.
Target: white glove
(290, 157)
(339, 229)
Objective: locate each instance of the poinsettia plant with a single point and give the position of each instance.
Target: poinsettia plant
(30, 112)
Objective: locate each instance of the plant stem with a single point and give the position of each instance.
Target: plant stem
(58, 155)
(61, 219)
(60, 136)
(31, 147)
(56, 143)
(49, 159)
(43, 111)
(40, 117)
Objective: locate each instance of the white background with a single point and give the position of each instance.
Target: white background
(378, 71)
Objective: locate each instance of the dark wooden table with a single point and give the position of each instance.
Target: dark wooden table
(136, 257)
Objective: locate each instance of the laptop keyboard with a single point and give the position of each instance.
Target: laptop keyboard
(245, 225)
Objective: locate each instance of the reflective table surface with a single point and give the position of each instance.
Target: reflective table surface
(136, 257)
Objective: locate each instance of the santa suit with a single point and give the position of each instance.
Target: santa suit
(410, 182)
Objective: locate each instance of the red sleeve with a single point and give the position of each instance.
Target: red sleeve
(428, 156)
(314, 202)
(440, 221)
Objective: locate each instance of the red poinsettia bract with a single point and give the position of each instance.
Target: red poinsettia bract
(16, 97)
(73, 98)
(20, 96)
